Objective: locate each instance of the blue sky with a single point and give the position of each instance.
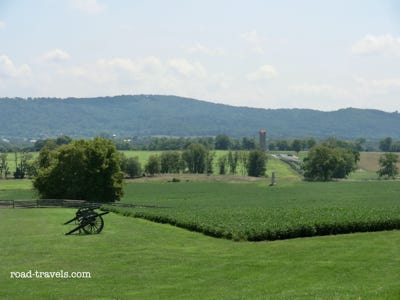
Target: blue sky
(321, 55)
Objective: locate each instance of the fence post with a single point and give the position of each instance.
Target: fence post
(13, 203)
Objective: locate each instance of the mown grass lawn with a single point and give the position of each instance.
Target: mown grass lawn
(138, 259)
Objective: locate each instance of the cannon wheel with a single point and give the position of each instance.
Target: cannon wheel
(95, 225)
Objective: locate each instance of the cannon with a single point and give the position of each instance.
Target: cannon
(87, 220)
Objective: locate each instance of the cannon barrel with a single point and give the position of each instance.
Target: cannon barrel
(69, 221)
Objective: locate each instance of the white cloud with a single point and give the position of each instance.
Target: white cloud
(55, 56)
(199, 48)
(8, 70)
(120, 75)
(380, 83)
(264, 72)
(186, 68)
(320, 90)
(377, 44)
(254, 40)
(2, 25)
(88, 6)
(374, 87)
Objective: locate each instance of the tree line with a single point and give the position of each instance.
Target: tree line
(389, 145)
(219, 142)
(197, 159)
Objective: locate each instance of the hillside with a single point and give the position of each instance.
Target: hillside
(144, 115)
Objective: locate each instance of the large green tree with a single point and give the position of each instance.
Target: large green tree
(196, 157)
(131, 166)
(386, 144)
(388, 163)
(325, 162)
(83, 169)
(170, 162)
(257, 163)
(153, 165)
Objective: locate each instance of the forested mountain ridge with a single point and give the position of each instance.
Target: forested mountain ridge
(147, 115)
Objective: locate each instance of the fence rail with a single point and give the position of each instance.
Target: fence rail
(63, 203)
(41, 203)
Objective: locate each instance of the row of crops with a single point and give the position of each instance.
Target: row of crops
(256, 212)
(253, 224)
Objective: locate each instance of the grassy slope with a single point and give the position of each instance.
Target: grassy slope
(11, 189)
(137, 259)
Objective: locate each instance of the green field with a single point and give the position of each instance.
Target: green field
(255, 211)
(138, 259)
(16, 189)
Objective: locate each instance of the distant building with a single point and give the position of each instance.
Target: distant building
(263, 139)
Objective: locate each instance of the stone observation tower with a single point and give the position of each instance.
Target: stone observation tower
(263, 139)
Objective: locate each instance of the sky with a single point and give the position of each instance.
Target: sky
(314, 54)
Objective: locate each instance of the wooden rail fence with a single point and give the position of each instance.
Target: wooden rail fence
(63, 203)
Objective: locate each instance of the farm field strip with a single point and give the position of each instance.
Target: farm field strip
(254, 211)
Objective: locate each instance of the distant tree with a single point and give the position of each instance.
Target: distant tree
(297, 145)
(195, 157)
(243, 159)
(170, 162)
(346, 162)
(131, 166)
(248, 143)
(359, 143)
(386, 144)
(31, 168)
(233, 159)
(236, 144)
(282, 145)
(83, 169)
(207, 142)
(222, 142)
(325, 162)
(63, 140)
(4, 168)
(388, 164)
(319, 163)
(153, 165)
(222, 163)
(395, 146)
(272, 146)
(256, 164)
(209, 162)
(311, 142)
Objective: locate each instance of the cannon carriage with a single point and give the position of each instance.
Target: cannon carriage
(87, 220)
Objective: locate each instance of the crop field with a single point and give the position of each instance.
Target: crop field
(254, 211)
(138, 259)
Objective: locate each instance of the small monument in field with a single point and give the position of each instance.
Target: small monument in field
(263, 139)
